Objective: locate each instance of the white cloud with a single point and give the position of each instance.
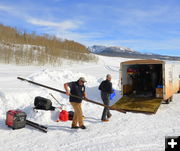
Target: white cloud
(84, 38)
(14, 11)
(4, 8)
(7, 9)
(68, 29)
(63, 29)
(64, 25)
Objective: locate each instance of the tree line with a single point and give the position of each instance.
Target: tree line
(20, 47)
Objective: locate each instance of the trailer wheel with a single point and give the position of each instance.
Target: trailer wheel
(167, 101)
(170, 99)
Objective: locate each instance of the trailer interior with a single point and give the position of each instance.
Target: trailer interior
(142, 87)
(141, 80)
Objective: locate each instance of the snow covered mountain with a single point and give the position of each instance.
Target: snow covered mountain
(100, 49)
(127, 53)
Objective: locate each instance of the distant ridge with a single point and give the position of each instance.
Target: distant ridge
(127, 53)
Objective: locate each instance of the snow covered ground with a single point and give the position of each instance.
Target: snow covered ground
(124, 132)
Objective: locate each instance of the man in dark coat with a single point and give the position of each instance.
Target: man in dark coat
(77, 88)
(106, 90)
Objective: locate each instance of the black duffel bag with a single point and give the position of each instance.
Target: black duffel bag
(41, 103)
(71, 115)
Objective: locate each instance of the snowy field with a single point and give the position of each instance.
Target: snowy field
(124, 132)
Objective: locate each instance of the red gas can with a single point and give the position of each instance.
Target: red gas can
(64, 115)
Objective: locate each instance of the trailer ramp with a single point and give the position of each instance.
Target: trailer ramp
(138, 104)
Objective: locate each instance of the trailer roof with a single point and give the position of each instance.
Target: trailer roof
(143, 61)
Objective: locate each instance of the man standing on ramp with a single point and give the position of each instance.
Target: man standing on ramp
(106, 90)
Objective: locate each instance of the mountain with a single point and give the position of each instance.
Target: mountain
(102, 49)
(127, 53)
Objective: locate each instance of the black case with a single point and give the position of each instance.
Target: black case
(43, 104)
(71, 115)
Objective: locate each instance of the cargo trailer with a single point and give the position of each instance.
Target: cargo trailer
(145, 84)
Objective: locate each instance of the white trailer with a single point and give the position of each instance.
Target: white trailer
(146, 83)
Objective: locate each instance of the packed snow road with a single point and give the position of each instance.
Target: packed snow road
(125, 132)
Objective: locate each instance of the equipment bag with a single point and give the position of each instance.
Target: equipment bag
(43, 104)
(16, 119)
(71, 115)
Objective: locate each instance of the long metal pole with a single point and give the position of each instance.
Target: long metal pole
(87, 100)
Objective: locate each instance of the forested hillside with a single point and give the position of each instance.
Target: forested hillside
(20, 47)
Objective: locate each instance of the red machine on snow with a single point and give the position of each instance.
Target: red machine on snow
(16, 119)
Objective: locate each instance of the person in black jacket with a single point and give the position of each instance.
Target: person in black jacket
(106, 90)
(77, 88)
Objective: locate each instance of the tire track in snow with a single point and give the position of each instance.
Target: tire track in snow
(111, 68)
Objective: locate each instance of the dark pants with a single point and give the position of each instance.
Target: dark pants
(105, 97)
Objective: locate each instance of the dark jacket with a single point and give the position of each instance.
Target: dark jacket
(106, 86)
(77, 90)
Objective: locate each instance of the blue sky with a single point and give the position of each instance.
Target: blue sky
(151, 26)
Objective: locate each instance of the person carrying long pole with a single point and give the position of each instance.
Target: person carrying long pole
(77, 88)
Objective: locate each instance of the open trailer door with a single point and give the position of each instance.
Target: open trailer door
(141, 85)
(143, 105)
